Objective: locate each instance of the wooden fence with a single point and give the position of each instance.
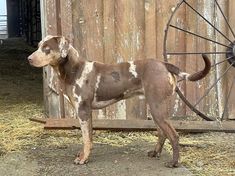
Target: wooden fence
(113, 31)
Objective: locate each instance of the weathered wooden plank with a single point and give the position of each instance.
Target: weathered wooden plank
(39, 120)
(191, 63)
(230, 76)
(109, 45)
(88, 32)
(66, 19)
(179, 44)
(142, 125)
(67, 31)
(139, 105)
(208, 105)
(129, 25)
(221, 88)
(53, 105)
(150, 34)
(175, 41)
(150, 29)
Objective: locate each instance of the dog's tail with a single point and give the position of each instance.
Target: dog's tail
(191, 77)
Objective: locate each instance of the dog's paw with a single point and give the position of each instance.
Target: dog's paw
(153, 154)
(80, 161)
(172, 164)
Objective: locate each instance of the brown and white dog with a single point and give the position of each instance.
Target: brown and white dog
(92, 85)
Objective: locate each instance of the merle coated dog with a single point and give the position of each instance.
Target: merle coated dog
(93, 85)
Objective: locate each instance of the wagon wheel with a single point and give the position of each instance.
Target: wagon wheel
(204, 29)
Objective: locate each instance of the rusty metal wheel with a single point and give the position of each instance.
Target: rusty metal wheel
(204, 27)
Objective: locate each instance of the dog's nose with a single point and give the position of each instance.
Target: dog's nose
(30, 58)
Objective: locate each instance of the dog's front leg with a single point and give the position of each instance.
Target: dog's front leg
(85, 120)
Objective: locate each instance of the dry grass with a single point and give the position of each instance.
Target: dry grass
(209, 154)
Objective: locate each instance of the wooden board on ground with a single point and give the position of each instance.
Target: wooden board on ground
(138, 125)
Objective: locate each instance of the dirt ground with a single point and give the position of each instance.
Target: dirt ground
(26, 149)
(130, 160)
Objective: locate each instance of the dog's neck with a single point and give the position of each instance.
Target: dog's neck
(73, 55)
(68, 68)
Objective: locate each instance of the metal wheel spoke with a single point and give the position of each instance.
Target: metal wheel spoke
(207, 21)
(197, 35)
(191, 106)
(211, 87)
(227, 98)
(197, 53)
(226, 20)
(225, 60)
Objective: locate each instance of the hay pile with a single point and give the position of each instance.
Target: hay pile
(209, 154)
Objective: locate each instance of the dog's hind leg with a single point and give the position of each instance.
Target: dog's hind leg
(157, 97)
(158, 149)
(159, 115)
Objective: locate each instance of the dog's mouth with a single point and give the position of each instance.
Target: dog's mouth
(34, 64)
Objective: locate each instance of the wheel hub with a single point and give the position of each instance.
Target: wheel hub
(231, 54)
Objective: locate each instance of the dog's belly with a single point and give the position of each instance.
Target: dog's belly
(125, 95)
(116, 91)
(109, 93)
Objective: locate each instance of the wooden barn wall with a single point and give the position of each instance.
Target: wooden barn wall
(113, 31)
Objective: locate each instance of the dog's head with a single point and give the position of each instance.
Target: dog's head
(51, 50)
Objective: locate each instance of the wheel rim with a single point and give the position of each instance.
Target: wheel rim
(222, 48)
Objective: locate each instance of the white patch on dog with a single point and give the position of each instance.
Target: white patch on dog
(67, 98)
(97, 82)
(172, 81)
(63, 51)
(132, 69)
(77, 100)
(184, 75)
(87, 69)
(96, 87)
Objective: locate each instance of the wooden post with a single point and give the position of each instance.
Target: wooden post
(53, 105)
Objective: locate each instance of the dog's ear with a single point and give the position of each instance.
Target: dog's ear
(63, 44)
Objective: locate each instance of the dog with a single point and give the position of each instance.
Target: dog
(92, 85)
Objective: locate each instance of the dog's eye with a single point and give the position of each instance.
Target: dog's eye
(47, 49)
